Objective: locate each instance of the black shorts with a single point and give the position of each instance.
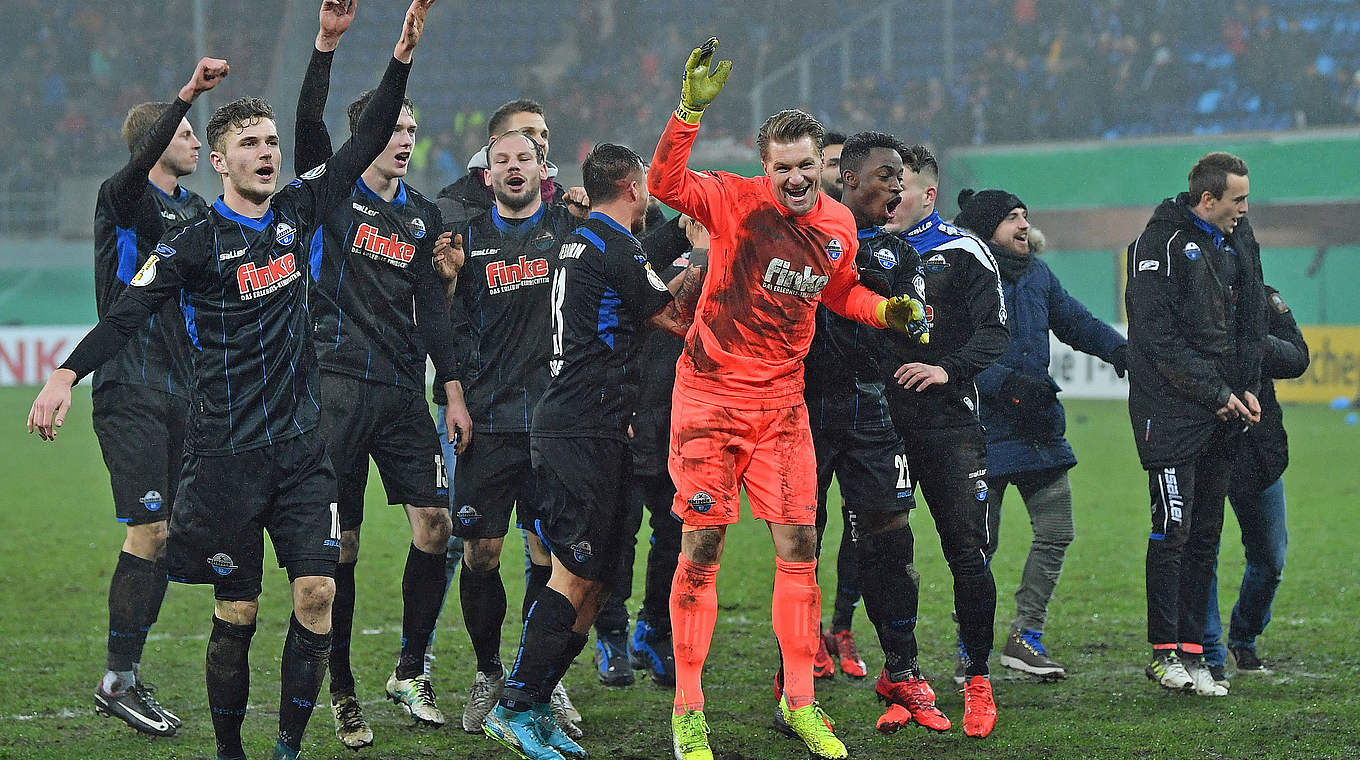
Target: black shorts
(870, 466)
(227, 502)
(581, 508)
(141, 433)
(492, 478)
(392, 425)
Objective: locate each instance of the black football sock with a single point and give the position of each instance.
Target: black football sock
(342, 628)
(575, 643)
(131, 591)
(228, 678)
(975, 601)
(536, 579)
(482, 595)
(422, 592)
(847, 584)
(300, 674)
(547, 632)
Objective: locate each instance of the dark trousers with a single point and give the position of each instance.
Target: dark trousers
(655, 492)
(1187, 518)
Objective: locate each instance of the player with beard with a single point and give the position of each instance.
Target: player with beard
(832, 145)
(934, 404)
(501, 317)
(140, 397)
(253, 458)
(605, 295)
(378, 308)
(779, 247)
(853, 433)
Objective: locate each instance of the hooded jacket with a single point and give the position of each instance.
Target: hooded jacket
(1265, 452)
(1197, 329)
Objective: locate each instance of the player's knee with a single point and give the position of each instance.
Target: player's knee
(704, 546)
(965, 562)
(147, 540)
(482, 554)
(237, 613)
(312, 596)
(431, 528)
(349, 546)
(876, 523)
(796, 543)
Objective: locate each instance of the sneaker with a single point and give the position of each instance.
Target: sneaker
(979, 708)
(1248, 662)
(555, 736)
(814, 727)
(148, 692)
(822, 664)
(564, 712)
(689, 736)
(131, 707)
(1203, 682)
(916, 696)
(416, 697)
(481, 698)
(843, 644)
(1025, 652)
(611, 658)
(282, 752)
(961, 665)
(894, 718)
(652, 652)
(1220, 675)
(521, 732)
(1167, 669)
(350, 727)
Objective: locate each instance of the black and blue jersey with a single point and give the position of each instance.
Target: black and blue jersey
(602, 295)
(130, 216)
(500, 314)
(254, 379)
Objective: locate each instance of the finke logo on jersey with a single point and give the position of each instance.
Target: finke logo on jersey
(1148, 265)
(147, 273)
(571, 251)
(1192, 251)
(834, 249)
(362, 209)
(221, 564)
(152, 501)
(255, 281)
(936, 263)
(372, 244)
(701, 502)
(780, 278)
(886, 258)
(582, 551)
(418, 228)
(285, 234)
(502, 277)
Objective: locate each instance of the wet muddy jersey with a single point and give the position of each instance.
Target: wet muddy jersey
(768, 269)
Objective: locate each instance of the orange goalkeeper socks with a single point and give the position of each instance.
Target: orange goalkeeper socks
(694, 611)
(796, 613)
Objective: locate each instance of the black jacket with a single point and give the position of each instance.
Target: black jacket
(1197, 329)
(1265, 452)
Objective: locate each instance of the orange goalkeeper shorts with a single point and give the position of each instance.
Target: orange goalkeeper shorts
(716, 450)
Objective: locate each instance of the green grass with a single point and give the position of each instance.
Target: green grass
(58, 543)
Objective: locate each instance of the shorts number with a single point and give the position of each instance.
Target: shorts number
(335, 521)
(559, 294)
(900, 462)
(441, 478)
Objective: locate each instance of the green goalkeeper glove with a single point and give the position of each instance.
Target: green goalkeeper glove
(702, 82)
(906, 315)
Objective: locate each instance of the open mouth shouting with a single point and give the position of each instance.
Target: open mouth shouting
(891, 207)
(402, 159)
(266, 173)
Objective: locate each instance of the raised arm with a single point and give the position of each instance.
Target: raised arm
(311, 138)
(697, 194)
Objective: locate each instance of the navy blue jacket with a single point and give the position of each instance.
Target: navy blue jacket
(1036, 303)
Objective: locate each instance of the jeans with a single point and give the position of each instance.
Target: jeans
(1264, 537)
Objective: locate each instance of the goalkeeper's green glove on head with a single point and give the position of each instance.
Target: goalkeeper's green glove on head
(703, 82)
(906, 315)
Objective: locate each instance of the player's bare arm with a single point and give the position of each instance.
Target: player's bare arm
(677, 316)
(336, 16)
(456, 417)
(53, 402)
(207, 74)
(411, 29)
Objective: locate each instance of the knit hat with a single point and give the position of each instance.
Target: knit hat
(981, 212)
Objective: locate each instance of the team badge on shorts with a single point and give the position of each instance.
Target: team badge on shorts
(701, 502)
(152, 501)
(467, 515)
(582, 552)
(221, 564)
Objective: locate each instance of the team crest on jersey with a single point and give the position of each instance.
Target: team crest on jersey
(936, 263)
(885, 258)
(582, 551)
(701, 502)
(222, 564)
(834, 249)
(467, 515)
(1192, 251)
(418, 228)
(284, 233)
(314, 173)
(544, 240)
(147, 273)
(152, 501)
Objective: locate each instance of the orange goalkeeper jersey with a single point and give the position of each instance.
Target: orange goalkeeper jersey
(768, 268)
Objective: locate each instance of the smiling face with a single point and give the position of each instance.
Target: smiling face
(181, 155)
(1013, 232)
(393, 161)
(795, 170)
(874, 192)
(1224, 213)
(249, 159)
(515, 175)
